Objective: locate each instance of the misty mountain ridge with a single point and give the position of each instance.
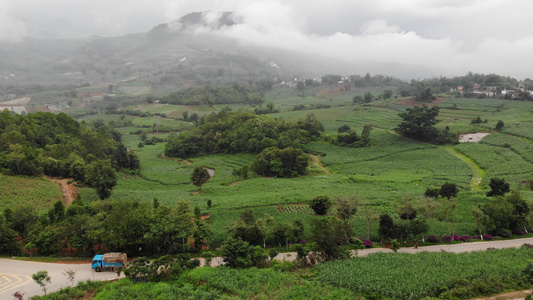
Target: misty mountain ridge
(186, 52)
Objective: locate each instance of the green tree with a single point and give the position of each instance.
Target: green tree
(498, 187)
(343, 129)
(432, 192)
(422, 92)
(346, 207)
(370, 216)
(8, 243)
(368, 97)
(236, 253)
(102, 177)
(320, 205)
(387, 94)
(419, 226)
(507, 213)
(288, 162)
(199, 176)
(171, 227)
(500, 125)
(386, 228)
(448, 190)
(418, 123)
(327, 235)
(365, 136)
(42, 279)
(57, 212)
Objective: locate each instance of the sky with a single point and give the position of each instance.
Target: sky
(444, 37)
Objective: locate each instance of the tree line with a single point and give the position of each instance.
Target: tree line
(125, 226)
(209, 95)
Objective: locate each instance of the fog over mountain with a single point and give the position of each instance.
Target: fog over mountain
(408, 39)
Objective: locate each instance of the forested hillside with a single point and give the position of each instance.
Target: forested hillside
(57, 145)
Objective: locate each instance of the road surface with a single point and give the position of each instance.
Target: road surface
(15, 275)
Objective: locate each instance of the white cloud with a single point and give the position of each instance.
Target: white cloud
(451, 36)
(378, 26)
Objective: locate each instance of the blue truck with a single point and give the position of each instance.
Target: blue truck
(109, 261)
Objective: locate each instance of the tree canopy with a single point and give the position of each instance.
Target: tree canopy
(419, 123)
(242, 132)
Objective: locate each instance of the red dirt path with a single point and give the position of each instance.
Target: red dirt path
(70, 191)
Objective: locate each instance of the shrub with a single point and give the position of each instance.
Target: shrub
(505, 233)
(446, 239)
(320, 205)
(487, 237)
(357, 243)
(456, 237)
(476, 237)
(433, 239)
(465, 238)
(368, 243)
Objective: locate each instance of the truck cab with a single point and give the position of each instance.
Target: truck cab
(97, 263)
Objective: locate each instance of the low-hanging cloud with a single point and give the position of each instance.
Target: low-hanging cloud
(450, 37)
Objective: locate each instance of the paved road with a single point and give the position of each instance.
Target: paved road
(15, 275)
(455, 248)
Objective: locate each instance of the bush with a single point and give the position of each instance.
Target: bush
(465, 238)
(456, 237)
(433, 239)
(446, 239)
(356, 243)
(368, 243)
(505, 233)
(487, 237)
(320, 205)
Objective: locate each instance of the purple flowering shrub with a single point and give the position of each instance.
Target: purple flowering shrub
(456, 237)
(487, 237)
(368, 243)
(433, 239)
(465, 238)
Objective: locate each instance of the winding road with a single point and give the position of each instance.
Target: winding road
(15, 275)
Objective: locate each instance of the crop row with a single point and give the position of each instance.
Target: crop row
(35, 191)
(295, 208)
(408, 276)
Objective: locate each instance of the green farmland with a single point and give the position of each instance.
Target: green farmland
(391, 169)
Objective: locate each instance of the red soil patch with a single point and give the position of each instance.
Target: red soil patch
(205, 217)
(411, 102)
(234, 183)
(70, 191)
(331, 90)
